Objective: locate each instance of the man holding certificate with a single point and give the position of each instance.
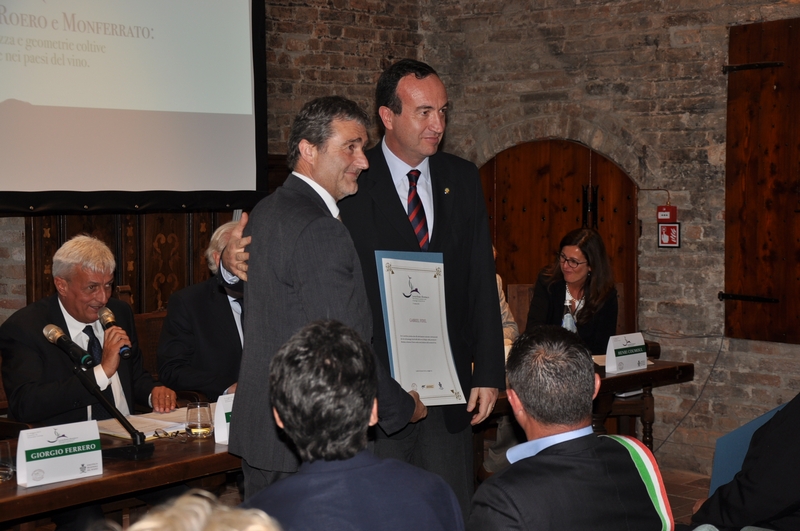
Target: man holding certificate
(429, 204)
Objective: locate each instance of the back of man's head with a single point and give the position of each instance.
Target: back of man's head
(83, 251)
(552, 373)
(323, 385)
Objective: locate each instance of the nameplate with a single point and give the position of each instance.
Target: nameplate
(626, 353)
(58, 453)
(222, 418)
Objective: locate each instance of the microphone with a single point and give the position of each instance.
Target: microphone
(57, 337)
(107, 321)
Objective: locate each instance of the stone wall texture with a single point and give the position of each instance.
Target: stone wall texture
(639, 81)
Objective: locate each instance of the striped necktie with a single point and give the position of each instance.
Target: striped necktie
(416, 212)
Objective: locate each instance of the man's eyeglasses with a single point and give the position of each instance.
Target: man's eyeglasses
(179, 435)
(570, 261)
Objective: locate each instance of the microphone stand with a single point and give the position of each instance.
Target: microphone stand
(140, 449)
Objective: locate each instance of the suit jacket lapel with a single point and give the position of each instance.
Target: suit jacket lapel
(380, 187)
(444, 187)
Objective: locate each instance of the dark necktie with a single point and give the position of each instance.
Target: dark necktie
(96, 351)
(416, 212)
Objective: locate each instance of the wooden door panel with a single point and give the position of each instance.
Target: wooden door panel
(762, 187)
(535, 196)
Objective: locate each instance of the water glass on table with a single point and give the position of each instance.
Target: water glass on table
(6, 462)
(199, 422)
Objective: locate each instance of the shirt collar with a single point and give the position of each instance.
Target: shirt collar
(400, 169)
(531, 448)
(330, 202)
(75, 327)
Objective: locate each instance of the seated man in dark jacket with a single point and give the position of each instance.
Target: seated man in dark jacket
(565, 476)
(323, 389)
(200, 348)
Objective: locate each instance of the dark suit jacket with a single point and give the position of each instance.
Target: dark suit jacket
(587, 483)
(377, 220)
(547, 307)
(361, 493)
(766, 492)
(199, 348)
(302, 268)
(38, 377)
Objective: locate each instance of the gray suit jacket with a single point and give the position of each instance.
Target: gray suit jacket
(303, 267)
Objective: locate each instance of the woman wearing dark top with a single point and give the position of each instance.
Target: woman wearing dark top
(577, 291)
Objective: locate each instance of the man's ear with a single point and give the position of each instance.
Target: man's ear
(373, 416)
(308, 151)
(61, 286)
(514, 401)
(278, 420)
(386, 115)
(596, 385)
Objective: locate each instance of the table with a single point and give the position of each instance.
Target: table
(172, 462)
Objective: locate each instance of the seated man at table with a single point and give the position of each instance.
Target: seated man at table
(38, 377)
(765, 493)
(323, 388)
(200, 348)
(565, 476)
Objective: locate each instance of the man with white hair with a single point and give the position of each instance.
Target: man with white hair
(200, 348)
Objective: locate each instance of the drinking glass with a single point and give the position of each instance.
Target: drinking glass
(6, 462)
(198, 420)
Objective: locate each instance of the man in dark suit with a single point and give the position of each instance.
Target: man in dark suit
(412, 104)
(565, 476)
(766, 491)
(303, 267)
(38, 377)
(323, 387)
(200, 348)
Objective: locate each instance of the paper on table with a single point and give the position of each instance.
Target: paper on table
(148, 423)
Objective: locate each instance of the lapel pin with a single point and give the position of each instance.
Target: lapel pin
(446, 191)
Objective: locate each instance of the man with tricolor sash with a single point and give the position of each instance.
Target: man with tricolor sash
(565, 476)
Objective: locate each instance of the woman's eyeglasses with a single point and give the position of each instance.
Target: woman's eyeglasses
(570, 261)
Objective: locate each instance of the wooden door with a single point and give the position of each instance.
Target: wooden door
(762, 201)
(538, 191)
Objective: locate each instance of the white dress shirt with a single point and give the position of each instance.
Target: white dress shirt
(399, 171)
(75, 330)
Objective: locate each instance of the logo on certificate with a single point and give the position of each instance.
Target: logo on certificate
(412, 288)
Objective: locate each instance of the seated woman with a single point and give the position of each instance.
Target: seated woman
(577, 291)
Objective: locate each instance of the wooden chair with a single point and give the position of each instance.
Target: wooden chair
(148, 328)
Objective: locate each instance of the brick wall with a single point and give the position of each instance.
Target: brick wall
(12, 266)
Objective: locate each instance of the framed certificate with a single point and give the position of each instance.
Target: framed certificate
(415, 317)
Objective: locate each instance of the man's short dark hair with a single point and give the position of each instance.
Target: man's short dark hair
(313, 123)
(386, 91)
(323, 384)
(552, 372)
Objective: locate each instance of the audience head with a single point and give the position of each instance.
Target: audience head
(552, 374)
(83, 273)
(595, 275)
(323, 388)
(412, 104)
(326, 144)
(198, 510)
(217, 244)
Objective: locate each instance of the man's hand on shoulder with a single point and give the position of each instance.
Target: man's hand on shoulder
(484, 398)
(420, 409)
(234, 257)
(163, 399)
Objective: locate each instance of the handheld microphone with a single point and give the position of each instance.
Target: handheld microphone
(57, 337)
(107, 321)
